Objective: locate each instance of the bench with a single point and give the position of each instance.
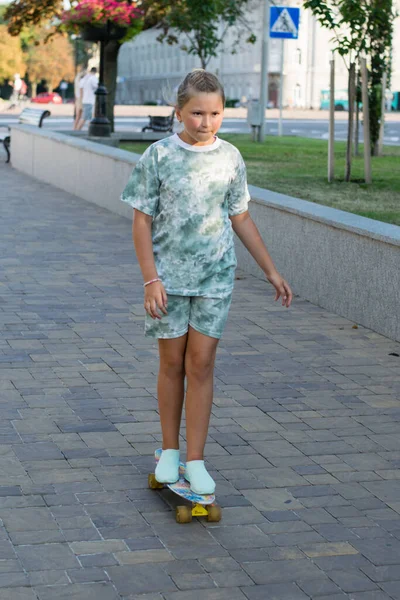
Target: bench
(29, 116)
(160, 123)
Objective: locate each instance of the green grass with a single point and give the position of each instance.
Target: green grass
(298, 167)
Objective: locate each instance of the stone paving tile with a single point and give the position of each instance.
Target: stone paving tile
(275, 591)
(77, 591)
(21, 593)
(304, 436)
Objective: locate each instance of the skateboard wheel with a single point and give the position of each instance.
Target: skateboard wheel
(214, 514)
(153, 483)
(183, 514)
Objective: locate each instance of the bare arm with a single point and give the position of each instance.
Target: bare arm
(155, 294)
(246, 230)
(141, 234)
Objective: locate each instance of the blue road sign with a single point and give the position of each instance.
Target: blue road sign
(284, 22)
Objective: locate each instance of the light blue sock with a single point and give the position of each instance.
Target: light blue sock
(167, 469)
(198, 477)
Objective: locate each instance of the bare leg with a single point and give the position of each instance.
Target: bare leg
(199, 366)
(171, 379)
(80, 124)
(78, 117)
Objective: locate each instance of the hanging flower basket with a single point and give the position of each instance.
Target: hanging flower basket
(101, 20)
(105, 33)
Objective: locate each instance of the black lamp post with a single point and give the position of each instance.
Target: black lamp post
(100, 125)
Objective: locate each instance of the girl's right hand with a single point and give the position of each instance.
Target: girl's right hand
(155, 298)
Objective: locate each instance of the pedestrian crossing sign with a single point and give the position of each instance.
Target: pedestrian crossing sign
(284, 22)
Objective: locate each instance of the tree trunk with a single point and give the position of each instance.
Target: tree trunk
(203, 59)
(379, 144)
(110, 76)
(375, 102)
(351, 90)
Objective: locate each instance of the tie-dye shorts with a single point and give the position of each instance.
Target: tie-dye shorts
(206, 315)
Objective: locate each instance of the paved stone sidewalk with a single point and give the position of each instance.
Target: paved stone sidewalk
(304, 438)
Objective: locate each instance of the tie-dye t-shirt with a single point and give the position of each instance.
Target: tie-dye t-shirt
(190, 191)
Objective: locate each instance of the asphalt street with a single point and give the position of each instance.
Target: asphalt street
(317, 129)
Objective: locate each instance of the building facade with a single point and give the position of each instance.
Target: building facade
(149, 71)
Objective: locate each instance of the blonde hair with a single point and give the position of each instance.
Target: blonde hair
(198, 81)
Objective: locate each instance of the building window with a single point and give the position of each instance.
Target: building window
(297, 95)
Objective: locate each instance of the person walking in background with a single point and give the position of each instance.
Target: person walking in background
(189, 192)
(78, 97)
(63, 89)
(88, 85)
(16, 94)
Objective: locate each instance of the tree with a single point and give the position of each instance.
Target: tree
(360, 28)
(379, 46)
(349, 22)
(11, 58)
(52, 61)
(204, 23)
(22, 13)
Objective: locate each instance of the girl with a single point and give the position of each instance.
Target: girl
(189, 192)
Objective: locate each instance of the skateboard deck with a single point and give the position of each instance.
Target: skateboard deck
(200, 505)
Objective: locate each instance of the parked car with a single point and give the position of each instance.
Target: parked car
(341, 100)
(395, 103)
(47, 98)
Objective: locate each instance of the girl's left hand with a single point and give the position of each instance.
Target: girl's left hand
(282, 289)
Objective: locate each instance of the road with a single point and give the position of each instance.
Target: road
(317, 129)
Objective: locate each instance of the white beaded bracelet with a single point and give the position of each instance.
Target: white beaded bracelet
(151, 281)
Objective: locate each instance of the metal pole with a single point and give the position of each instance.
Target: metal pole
(264, 71)
(281, 88)
(331, 139)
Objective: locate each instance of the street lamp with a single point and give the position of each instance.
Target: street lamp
(100, 125)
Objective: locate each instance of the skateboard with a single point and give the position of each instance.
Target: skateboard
(200, 505)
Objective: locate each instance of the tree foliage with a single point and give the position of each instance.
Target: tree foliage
(349, 22)
(203, 23)
(22, 13)
(11, 58)
(52, 61)
(379, 49)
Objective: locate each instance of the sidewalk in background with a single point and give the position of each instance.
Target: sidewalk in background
(304, 439)
(239, 113)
